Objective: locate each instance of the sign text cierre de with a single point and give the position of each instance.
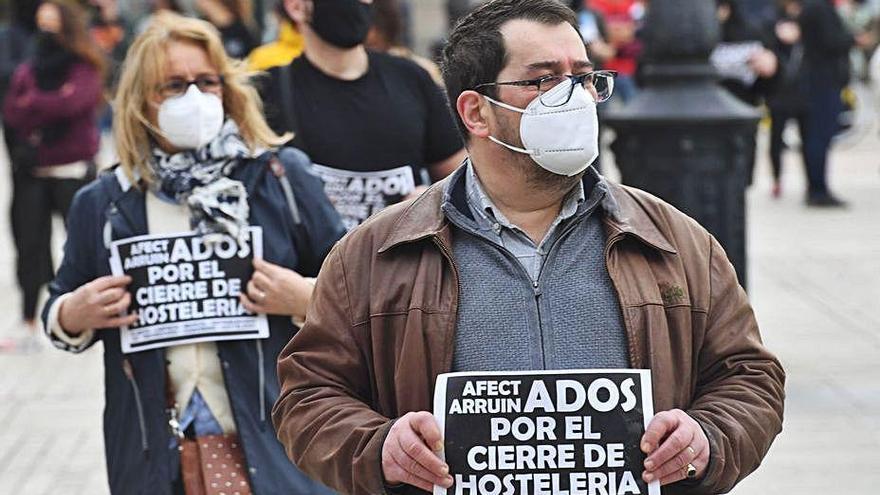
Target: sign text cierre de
(559, 433)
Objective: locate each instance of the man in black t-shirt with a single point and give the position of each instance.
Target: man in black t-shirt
(377, 126)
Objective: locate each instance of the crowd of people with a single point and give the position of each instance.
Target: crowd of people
(305, 124)
(798, 62)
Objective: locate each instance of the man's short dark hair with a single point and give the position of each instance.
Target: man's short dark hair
(475, 53)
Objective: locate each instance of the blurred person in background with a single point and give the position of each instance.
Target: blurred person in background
(108, 31)
(874, 74)
(594, 32)
(386, 35)
(107, 28)
(747, 48)
(759, 12)
(235, 21)
(16, 30)
(154, 7)
(50, 117)
(622, 18)
(377, 126)
(746, 61)
(861, 18)
(786, 100)
(232, 18)
(195, 155)
(827, 44)
(288, 45)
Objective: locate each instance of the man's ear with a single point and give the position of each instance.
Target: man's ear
(296, 9)
(475, 113)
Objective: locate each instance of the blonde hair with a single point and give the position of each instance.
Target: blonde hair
(143, 73)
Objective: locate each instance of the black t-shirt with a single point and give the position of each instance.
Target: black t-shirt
(371, 139)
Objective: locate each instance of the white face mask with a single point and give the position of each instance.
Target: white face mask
(564, 139)
(191, 120)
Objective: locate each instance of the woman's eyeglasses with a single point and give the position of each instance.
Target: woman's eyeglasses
(207, 83)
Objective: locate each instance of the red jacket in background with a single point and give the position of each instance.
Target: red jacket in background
(621, 30)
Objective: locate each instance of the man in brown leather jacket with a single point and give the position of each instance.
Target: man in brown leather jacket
(525, 259)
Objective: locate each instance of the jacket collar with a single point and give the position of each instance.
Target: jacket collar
(634, 217)
(623, 211)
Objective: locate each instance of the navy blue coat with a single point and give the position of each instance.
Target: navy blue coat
(139, 446)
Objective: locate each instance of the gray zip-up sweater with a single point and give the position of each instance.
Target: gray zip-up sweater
(567, 317)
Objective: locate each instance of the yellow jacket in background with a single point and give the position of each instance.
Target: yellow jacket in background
(287, 47)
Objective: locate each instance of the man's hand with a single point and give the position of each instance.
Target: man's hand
(764, 63)
(409, 453)
(97, 304)
(276, 290)
(673, 440)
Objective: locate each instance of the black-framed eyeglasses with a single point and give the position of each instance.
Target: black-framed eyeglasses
(177, 86)
(599, 83)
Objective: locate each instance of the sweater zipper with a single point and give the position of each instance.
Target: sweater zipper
(536, 283)
(129, 373)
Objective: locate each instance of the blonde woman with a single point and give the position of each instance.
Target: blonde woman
(195, 155)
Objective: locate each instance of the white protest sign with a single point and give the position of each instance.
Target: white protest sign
(357, 196)
(185, 290)
(733, 61)
(571, 432)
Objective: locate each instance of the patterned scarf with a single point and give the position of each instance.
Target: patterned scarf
(200, 178)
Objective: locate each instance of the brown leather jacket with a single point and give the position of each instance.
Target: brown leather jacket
(382, 327)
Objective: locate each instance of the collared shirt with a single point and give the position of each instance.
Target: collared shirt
(514, 239)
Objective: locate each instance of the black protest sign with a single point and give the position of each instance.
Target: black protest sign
(186, 290)
(357, 196)
(545, 433)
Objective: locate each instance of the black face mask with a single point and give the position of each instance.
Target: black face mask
(342, 23)
(51, 61)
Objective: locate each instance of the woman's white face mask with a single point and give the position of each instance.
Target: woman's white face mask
(561, 139)
(191, 120)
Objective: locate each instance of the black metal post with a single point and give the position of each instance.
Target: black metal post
(683, 137)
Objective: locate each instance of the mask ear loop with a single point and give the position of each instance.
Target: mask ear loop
(502, 143)
(505, 105)
(511, 147)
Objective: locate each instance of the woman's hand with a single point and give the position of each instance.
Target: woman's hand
(97, 304)
(276, 290)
